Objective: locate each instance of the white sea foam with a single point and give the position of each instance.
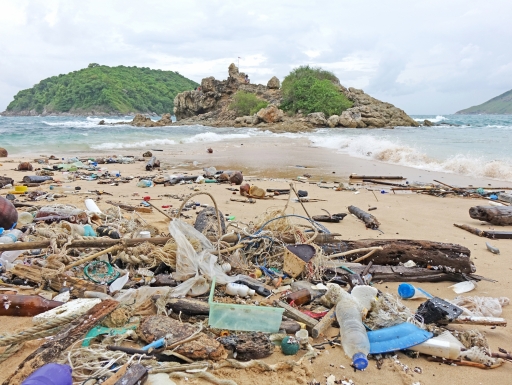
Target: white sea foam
(87, 123)
(385, 150)
(214, 137)
(437, 119)
(144, 143)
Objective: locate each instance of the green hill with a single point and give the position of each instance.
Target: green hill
(499, 105)
(101, 89)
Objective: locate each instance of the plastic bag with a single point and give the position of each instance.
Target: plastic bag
(138, 296)
(481, 306)
(195, 269)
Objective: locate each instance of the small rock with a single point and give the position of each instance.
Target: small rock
(3, 152)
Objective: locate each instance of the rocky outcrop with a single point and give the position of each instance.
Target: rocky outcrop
(271, 114)
(143, 121)
(209, 105)
(274, 83)
(317, 119)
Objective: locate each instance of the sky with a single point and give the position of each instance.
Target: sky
(426, 57)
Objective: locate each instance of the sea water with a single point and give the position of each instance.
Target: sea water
(473, 145)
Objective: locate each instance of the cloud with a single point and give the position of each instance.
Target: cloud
(423, 56)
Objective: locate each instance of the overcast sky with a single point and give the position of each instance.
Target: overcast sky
(426, 57)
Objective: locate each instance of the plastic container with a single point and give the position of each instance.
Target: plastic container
(36, 179)
(145, 183)
(397, 337)
(302, 336)
(50, 374)
(144, 234)
(408, 291)
(115, 173)
(239, 289)
(352, 331)
(251, 318)
(92, 206)
(62, 189)
(439, 346)
(10, 236)
(10, 256)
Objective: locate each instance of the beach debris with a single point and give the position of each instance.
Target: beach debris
(492, 248)
(209, 150)
(334, 218)
(207, 222)
(436, 310)
(248, 346)
(3, 153)
(355, 176)
(296, 257)
(8, 214)
(463, 287)
(155, 327)
(481, 306)
(25, 166)
(152, 163)
(369, 220)
(493, 234)
(448, 257)
(147, 154)
(496, 215)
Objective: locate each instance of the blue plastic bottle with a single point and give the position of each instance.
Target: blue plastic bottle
(50, 374)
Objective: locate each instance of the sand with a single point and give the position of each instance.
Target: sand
(272, 164)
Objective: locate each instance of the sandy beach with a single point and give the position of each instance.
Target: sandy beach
(274, 164)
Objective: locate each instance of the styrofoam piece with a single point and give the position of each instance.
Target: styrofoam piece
(77, 307)
(119, 283)
(92, 206)
(463, 287)
(159, 379)
(63, 297)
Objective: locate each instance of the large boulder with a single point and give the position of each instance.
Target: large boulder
(3, 152)
(317, 119)
(348, 120)
(270, 114)
(141, 121)
(333, 121)
(274, 83)
(166, 120)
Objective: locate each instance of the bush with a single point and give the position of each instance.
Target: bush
(245, 103)
(313, 90)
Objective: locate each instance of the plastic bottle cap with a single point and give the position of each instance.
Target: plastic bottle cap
(406, 290)
(359, 361)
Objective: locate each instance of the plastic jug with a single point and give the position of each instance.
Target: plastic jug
(10, 236)
(408, 291)
(352, 331)
(441, 346)
(50, 374)
(92, 206)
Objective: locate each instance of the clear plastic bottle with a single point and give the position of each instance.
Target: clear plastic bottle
(10, 236)
(352, 331)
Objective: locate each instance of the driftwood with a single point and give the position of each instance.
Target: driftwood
(295, 314)
(486, 233)
(189, 306)
(82, 244)
(324, 323)
(51, 350)
(454, 258)
(488, 321)
(355, 176)
(131, 208)
(251, 346)
(78, 286)
(136, 374)
(369, 220)
(403, 274)
(497, 215)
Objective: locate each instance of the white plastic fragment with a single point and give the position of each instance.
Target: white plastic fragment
(463, 287)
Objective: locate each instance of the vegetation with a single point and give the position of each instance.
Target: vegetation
(308, 90)
(104, 89)
(501, 104)
(245, 103)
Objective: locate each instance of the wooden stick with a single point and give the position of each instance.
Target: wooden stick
(366, 255)
(469, 320)
(300, 201)
(355, 176)
(355, 251)
(52, 349)
(82, 244)
(160, 211)
(297, 315)
(324, 323)
(464, 363)
(91, 257)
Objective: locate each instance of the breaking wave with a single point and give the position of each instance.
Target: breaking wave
(437, 119)
(144, 143)
(385, 150)
(213, 137)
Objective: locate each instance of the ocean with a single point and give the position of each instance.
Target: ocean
(475, 145)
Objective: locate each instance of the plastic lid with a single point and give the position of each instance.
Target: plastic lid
(406, 290)
(359, 361)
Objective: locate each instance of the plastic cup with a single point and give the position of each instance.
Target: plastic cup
(302, 336)
(408, 291)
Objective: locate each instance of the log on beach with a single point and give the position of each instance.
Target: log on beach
(497, 215)
(394, 251)
(369, 220)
